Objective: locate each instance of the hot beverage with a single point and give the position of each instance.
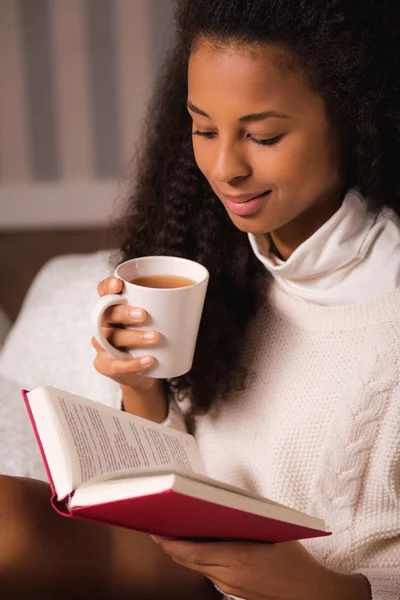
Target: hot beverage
(163, 281)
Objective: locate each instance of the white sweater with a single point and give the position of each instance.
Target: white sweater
(317, 426)
(322, 408)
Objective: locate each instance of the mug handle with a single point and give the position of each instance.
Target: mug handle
(96, 317)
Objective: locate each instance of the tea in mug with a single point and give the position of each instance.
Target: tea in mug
(163, 281)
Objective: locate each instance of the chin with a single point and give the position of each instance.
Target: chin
(252, 225)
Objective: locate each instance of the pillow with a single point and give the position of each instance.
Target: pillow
(19, 452)
(49, 343)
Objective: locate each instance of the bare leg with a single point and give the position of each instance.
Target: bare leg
(44, 555)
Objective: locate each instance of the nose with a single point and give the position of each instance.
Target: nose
(229, 163)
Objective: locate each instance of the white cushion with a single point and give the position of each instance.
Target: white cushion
(19, 452)
(50, 342)
(50, 345)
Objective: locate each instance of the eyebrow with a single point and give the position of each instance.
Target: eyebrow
(268, 114)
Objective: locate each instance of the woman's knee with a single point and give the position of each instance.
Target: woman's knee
(23, 503)
(44, 551)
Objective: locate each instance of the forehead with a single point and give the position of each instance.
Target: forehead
(238, 76)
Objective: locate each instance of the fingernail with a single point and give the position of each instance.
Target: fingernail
(146, 360)
(114, 284)
(136, 313)
(149, 335)
(155, 539)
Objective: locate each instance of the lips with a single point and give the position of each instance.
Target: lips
(245, 205)
(244, 197)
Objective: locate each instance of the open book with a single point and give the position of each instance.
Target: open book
(113, 467)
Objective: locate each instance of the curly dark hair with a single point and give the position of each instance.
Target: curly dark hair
(349, 51)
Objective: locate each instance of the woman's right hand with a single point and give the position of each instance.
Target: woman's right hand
(143, 396)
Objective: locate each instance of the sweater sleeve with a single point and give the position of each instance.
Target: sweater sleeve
(385, 580)
(359, 492)
(384, 583)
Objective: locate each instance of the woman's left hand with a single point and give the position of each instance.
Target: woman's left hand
(256, 571)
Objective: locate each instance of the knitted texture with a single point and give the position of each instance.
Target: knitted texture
(317, 427)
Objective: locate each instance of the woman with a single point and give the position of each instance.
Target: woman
(270, 157)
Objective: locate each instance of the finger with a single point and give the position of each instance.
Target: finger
(212, 572)
(129, 338)
(200, 553)
(111, 285)
(96, 345)
(123, 315)
(109, 366)
(202, 557)
(139, 343)
(218, 575)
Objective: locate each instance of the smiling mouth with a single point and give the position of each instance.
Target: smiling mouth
(259, 196)
(243, 206)
(243, 199)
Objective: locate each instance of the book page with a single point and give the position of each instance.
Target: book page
(103, 440)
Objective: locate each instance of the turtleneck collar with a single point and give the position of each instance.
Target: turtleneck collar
(353, 257)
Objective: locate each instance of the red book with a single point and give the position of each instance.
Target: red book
(109, 466)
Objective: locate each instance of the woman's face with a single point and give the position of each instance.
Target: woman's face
(262, 139)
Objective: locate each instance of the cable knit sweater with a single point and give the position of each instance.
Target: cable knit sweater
(321, 406)
(318, 425)
(325, 440)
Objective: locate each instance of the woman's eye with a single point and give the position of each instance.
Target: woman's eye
(266, 142)
(206, 134)
(262, 142)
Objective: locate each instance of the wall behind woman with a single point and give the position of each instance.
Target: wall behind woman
(76, 76)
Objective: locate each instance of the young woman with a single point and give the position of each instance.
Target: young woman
(270, 157)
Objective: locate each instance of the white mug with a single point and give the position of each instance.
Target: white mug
(174, 312)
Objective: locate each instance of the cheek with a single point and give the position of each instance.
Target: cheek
(307, 162)
(320, 159)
